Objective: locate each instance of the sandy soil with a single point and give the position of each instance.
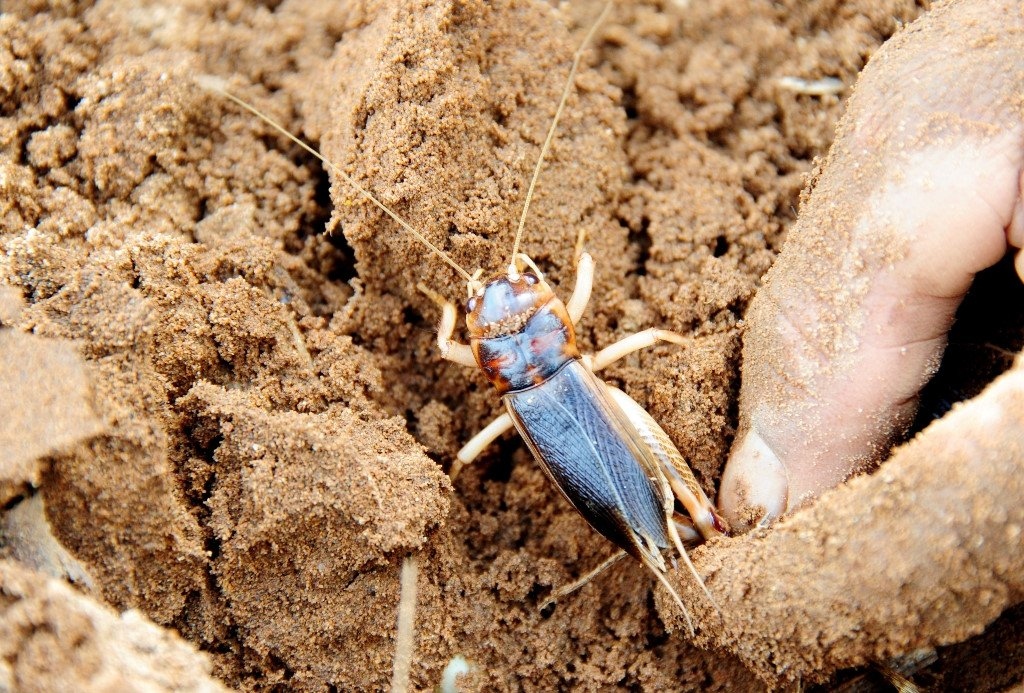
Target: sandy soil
(223, 400)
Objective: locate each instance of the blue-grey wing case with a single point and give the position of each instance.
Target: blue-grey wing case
(591, 452)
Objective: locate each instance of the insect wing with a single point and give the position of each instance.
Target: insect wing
(589, 450)
(677, 472)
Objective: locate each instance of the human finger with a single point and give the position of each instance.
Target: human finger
(920, 191)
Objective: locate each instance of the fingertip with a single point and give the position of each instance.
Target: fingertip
(755, 484)
(1015, 229)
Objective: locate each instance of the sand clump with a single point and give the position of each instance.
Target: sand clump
(57, 639)
(252, 427)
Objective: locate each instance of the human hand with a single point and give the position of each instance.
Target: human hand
(921, 190)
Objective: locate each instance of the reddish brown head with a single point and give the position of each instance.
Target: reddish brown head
(505, 304)
(520, 331)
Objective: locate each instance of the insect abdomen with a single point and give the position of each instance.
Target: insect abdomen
(587, 448)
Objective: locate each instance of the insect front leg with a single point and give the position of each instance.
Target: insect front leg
(479, 442)
(450, 349)
(577, 303)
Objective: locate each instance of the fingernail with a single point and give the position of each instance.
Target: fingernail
(755, 485)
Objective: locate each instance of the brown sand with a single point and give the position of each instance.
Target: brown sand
(253, 433)
(54, 639)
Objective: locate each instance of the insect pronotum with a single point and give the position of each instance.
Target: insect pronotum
(600, 449)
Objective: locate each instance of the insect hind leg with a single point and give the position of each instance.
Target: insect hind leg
(677, 540)
(577, 584)
(687, 531)
(671, 467)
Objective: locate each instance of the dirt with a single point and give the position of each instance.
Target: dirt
(227, 401)
(55, 638)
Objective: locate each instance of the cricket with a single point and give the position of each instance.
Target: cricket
(601, 449)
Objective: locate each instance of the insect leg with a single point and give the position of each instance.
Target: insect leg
(577, 303)
(660, 574)
(450, 349)
(687, 531)
(575, 585)
(634, 342)
(581, 240)
(477, 443)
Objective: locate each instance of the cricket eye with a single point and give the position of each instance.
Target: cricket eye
(471, 304)
(530, 278)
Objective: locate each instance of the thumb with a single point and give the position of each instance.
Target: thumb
(918, 193)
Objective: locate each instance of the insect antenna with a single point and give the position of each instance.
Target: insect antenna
(215, 85)
(513, 271)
